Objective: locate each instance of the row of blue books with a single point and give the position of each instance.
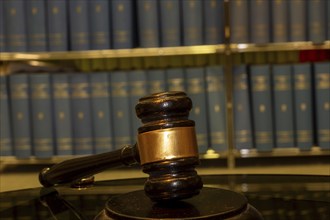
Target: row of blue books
(62, 25)
(45, 114)
(281, 106)
(275, 106)
(266, 21)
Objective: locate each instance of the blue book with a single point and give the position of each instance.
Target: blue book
(259, 21)
(20, 115)
(99, 24)
(328, 19)
(262, 107)
(170, 23)
(137, 80)
(79, 25)
(192, 22)
(57, 25)
(15, 26)
(148, 29)
(81, 114)
(6, 148)
(195, 80)
(322, 90)
(283, 106)
(42, 117)
(280, 21)
(62, 114)
(216, 103)
(101, 112)
(303, 105)
(175, 79)
(122, 24)
(239, 24)
(156, 81)
(317, 20)
(2, 28)
(243, 136)
(36, 25)
(214, 20)
(121, 114)
(297, 20)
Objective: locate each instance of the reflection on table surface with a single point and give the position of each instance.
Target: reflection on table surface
(275, 196)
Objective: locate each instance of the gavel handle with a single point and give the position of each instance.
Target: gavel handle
(78, 168)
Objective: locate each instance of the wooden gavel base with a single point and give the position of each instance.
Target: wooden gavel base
(211, 203)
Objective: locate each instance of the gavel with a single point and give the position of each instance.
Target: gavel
(166, 149)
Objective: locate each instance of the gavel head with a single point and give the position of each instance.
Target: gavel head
(168, 147)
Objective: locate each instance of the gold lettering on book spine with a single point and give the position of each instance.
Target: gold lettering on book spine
(282, 83)
(119, 89)
(323, 81)
(137, 88)
(61, 90)
(19, 91)
(176, 84)
(100, 89)
(260, 83)
(195, 86)
(39, 91)
(214, 84)
(301, 82)
(79, 90)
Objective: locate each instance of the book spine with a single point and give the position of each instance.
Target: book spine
(156, 81)
(137, 80)
(214, 16)
(297, 20)
(41, 110)
(99, 24)
(36, 26)
(57, 20)
(2, 28)
(81, 114)
(20, 115)
(242, 109)
(15, 27)
(122, 24)
(328, 19)
(170, 23)
(216, 102)
(192, 20)
(262, 107)
(303, 105)
(316, 20)
(280, 21)
(101, 111)
(195, 79)
(79, 25)
(175, 79)
(120, 108)
(62, 114)
(148, 23)
(322, 90)
(6, 148)
(283, 105)
(239, 26)
(260, 27)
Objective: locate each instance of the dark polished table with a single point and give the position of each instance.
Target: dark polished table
(275, 196)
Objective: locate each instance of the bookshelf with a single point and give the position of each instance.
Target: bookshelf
(224, 54)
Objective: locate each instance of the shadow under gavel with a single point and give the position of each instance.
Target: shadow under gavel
(166, 148)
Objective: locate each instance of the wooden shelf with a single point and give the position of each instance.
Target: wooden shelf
(287, 46)
(121, 53)
(281, 152)
(164, 51)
